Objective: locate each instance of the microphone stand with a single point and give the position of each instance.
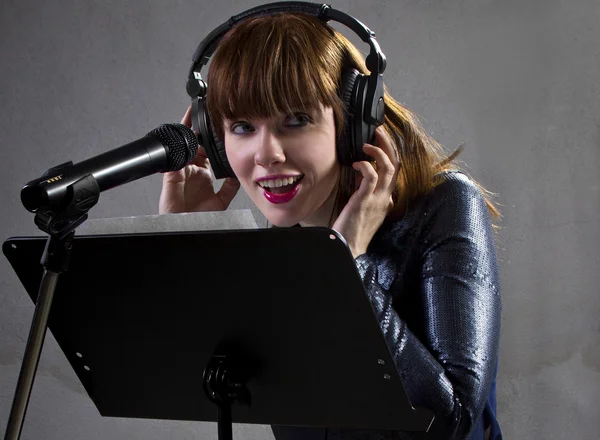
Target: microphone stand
(59, 223)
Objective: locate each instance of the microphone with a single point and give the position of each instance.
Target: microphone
(169, 147)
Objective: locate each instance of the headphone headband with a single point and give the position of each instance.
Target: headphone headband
(375, 61)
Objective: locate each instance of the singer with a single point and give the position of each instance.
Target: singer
(282, 96)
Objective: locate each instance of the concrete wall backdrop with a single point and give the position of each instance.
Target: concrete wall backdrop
(517, 81)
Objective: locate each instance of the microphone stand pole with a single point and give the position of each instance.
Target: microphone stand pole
(60, 224)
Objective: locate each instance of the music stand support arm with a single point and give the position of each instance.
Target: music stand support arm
(224, 382)
(59, 223)
(225, 425)
(56, 254)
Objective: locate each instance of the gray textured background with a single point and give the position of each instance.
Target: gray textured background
(516, 80)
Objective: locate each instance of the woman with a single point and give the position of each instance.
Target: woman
(419, 229)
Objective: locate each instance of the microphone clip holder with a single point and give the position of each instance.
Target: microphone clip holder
(80, 197)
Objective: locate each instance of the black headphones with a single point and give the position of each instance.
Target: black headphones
(362, 95)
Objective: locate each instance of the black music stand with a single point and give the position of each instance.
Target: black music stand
(275, 321)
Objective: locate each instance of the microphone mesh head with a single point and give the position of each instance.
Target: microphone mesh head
(181, 143)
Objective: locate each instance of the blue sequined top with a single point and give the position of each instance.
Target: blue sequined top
(433, 280)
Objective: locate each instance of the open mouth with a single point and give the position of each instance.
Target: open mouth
(280, 186)
(281, 190)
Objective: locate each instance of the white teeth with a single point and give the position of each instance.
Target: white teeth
(276, 183)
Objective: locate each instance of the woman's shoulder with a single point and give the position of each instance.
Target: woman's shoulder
(451, 187)
(456, 208)
(454, 196)
(454, 182)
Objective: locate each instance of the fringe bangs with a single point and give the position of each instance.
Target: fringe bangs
(263, 68)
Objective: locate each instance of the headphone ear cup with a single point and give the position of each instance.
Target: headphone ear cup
(356, 131)
(219, 148)
(345, 143)
(214, 147)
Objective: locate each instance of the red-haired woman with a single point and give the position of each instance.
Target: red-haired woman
(420, 230)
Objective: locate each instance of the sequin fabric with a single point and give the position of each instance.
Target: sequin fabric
(433, 281)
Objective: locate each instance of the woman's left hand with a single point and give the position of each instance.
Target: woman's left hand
(372, 201)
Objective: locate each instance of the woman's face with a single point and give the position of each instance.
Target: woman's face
(287, 165)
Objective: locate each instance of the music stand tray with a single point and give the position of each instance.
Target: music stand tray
(140, 316)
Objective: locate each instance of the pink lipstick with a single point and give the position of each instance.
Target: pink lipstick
(283, 197)
(280, 194)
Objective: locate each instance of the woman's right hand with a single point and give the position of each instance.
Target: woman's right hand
(190, 189)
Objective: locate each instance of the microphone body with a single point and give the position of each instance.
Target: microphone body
(168, 148)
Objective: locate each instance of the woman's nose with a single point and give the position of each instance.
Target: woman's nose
(270, 150)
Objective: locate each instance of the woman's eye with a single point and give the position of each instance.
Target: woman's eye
(297, 120)
(241, 128)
